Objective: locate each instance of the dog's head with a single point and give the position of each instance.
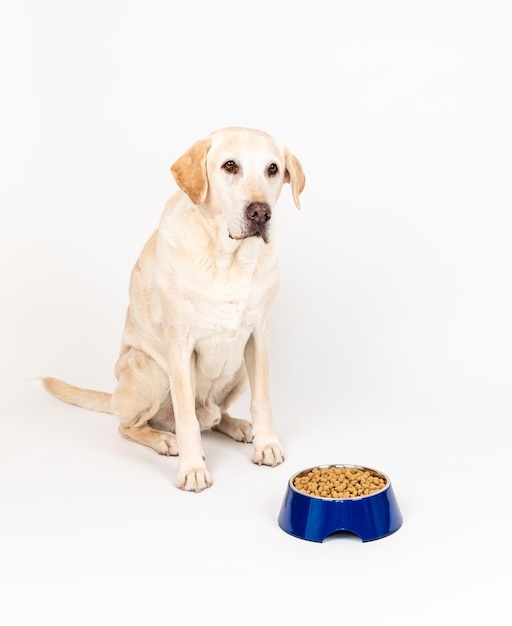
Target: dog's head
(239, 173)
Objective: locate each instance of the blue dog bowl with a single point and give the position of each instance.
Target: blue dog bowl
(314, 518)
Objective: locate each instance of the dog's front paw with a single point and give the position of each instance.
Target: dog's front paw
(271, 454)
(194, 479)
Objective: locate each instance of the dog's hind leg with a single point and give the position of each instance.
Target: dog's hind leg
(141, 390)
(237, 429)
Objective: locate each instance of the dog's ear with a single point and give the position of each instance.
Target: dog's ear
(294, 175)
(189, 171)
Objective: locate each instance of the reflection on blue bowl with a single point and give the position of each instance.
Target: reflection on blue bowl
(314, 518)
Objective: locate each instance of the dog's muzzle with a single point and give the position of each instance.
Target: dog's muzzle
(256, 222)
(258, 216)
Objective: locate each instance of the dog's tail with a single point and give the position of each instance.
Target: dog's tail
(85, 398)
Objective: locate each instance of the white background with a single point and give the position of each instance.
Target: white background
(391, 336)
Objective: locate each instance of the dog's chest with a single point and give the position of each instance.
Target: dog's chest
(223, 296)
(226, 317)
(230, 299)
(221, 338)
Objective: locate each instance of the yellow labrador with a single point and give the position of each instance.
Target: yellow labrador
(197, 325)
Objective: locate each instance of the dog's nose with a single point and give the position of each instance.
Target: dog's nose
(258, 212)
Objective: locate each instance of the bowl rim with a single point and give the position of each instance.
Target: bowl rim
(343, 465)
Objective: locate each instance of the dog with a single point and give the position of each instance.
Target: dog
(200, 295)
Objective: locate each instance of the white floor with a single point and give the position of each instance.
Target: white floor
(391, 336)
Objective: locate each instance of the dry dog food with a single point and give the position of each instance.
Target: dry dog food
(338, 481)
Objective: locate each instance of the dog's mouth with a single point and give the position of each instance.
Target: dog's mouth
(263, 233)
(260, 232)
(255, 222)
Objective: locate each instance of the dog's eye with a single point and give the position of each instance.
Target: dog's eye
(231, 167)
(272, 169)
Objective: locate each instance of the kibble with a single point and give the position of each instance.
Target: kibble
(339, 481)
